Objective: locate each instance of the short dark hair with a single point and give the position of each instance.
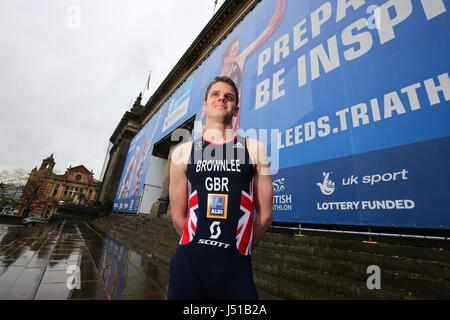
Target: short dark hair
(228, 81)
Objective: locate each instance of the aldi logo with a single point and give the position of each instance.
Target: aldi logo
(217, 206)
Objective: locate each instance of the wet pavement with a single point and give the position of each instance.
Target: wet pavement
(70, 259)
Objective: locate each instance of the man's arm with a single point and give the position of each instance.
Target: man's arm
(178, 186)
(263, 190)
(273, 25)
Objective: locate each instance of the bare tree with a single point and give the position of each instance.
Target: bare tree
(12, 183)
(34, 187)
(17, 177)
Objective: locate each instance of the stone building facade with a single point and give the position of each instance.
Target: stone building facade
(45, 189)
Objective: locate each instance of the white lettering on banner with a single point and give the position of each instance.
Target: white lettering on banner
(281, 46)
(263, 89)
(282, 207)
(262, 94)
(281, 202)
(329, 61)
(390, 105)
(277, 82)
(343, 5)
(263, 59)
(367, 205)
(342, 205)
(354, 41)
(319, 17)
(392, 102)
(386, 177)
(411, 91)
(403, 9)
(373, 22)
(359, 112)
(298, 33)
(282, 199)
(327, 187)
(364, 39)
(433, 8)
(432, 89)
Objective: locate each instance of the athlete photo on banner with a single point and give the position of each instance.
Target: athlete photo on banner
(113, 266)
(135, 168)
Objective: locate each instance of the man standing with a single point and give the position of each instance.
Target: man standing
(216, 183)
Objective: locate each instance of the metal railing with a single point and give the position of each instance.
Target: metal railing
(363, 233)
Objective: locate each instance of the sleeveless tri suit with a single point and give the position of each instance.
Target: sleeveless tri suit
(212, 260)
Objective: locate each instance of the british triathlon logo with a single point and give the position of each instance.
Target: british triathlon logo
(326, 186)
(217, 206)
(278, 185)
(282, 200)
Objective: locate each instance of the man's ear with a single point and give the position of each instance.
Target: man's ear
(204, 106)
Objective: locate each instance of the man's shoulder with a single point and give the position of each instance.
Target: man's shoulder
(255, 145)
(184, 146)
(258, 152)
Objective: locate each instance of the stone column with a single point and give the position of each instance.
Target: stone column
(161, 205)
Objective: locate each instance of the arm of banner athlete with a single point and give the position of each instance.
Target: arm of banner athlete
(273, 25)
(178, 185)
(262, 192)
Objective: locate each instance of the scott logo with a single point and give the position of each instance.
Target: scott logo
(215, 232)
(327, 186)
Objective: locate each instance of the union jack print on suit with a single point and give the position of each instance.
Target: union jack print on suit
(244, 233)
(190, 224)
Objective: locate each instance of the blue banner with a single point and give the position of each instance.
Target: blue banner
(396, 187)
(347, 96)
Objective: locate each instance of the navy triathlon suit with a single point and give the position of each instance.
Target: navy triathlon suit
(212, 260)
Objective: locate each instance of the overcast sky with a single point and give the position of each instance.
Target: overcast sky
(70, 69)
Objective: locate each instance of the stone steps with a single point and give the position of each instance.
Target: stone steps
(311, 267)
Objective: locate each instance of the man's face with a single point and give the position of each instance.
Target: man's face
(221, 102)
